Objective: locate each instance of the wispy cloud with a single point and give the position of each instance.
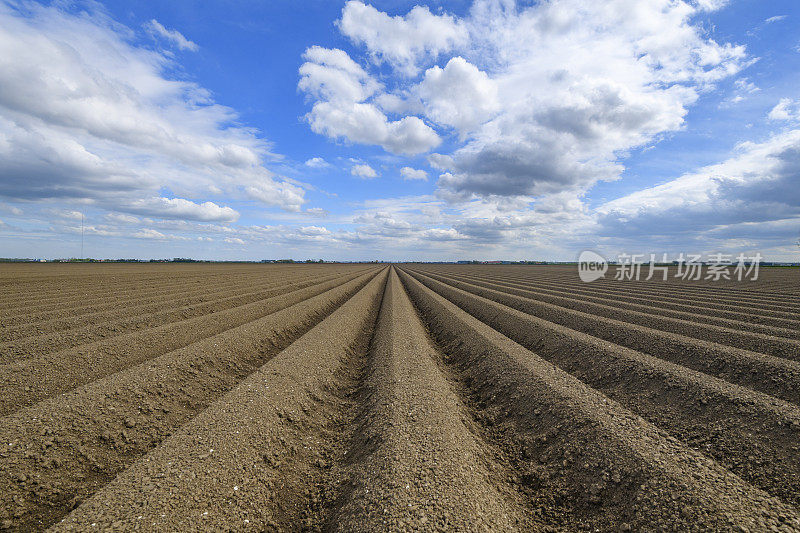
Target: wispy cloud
(776, 18)
(87, 116)
(156, 29)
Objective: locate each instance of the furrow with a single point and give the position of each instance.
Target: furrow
(413, 464)
(31, 380)
(751, 434)
(141, 296)
(254, 457)
(663, 296)
(689, 327)
(144, 290)
(94, 328)
(699, 290)
(32, 293)
(714, 294)
(606, 467)
(758, 323)
(57, 322)
(771, 375)
(94, 284)
(64, 449)
(119, 290)
(52, 308)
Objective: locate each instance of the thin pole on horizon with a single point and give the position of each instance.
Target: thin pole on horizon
(81, 235)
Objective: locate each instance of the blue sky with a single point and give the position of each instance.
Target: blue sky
(399, 130)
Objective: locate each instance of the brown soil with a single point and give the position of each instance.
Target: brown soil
(419, 397)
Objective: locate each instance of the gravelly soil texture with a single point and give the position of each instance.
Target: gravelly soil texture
(395, 398)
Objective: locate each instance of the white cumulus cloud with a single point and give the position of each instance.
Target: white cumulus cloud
(363, 171)
(566, 116)
(180, 208)
(341, 110)
(458, 95)
(534, 113)
(402, 41)
(409, 174)
(786, 110)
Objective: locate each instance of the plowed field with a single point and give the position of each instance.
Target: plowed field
(402, 398)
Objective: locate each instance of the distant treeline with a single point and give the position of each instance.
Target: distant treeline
(292, 261)
(173, 260)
